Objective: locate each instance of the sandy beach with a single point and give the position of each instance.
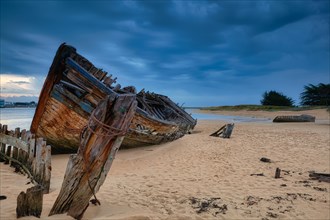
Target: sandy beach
(203, 177)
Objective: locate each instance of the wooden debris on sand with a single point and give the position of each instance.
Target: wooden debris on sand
(224, 132)
(30, 203)
(265, 160)
(322, 177)
(277, 173)
(257, 174)
(294, 118)
(86, 171)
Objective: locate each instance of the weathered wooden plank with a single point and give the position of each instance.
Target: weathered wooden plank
(14, 156)
(15, 149)
(178, 110)
(81, 81)
(68, 126)
(17, 132)
(218, 132)
(21, 155)
(87, 170)
(24, 153)
(28, 137)
(31, 156)
(94, 82)
(8, 154)
(277, 173)
(99, 74)
(13, 141)
(39, 171)
(92, 99)
(51, 79)
(160, 113)
(23, 135)
(9, 150)
(48, 169)
(321, 177)
(15, 153)
(224, 132)
(70, 85)
(2, 141)
(91, 70)
(67, 98)
(4, 129)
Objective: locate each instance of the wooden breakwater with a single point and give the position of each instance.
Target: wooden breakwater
(20, 149)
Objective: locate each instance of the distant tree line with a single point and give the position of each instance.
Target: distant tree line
(313, 95)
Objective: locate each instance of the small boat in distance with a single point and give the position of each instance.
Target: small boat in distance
(294, 118)
(74, 87)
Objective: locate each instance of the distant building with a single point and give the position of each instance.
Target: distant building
(24, 104)
(2, 103)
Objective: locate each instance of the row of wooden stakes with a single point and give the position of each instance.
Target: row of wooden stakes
(32, 156)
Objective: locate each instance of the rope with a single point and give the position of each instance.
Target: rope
(110, 132)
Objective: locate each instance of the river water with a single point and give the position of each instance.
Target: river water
(17, 117)
(22, 117)
(227, 118)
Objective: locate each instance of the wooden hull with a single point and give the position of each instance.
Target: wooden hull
(70, 93)
(295, 118)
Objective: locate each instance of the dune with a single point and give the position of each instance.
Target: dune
(203, 177)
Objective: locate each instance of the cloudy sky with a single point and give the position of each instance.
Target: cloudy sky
(201, 53)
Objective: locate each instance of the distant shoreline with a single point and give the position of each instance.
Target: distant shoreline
(18, 107)
(262, 108)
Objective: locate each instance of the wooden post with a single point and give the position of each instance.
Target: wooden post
(24, 137)
(15, 155)
(40, 164)
(3, 145)
(32, 146)
(30, 203)
(8, 154)
(87, 170)
(48, 169)
(15, 149)
(277, 173)
(224, 132)
(228, 130)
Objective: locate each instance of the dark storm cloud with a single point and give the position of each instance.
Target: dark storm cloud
(185, 49)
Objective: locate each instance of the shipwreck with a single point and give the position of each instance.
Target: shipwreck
(74, 87)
